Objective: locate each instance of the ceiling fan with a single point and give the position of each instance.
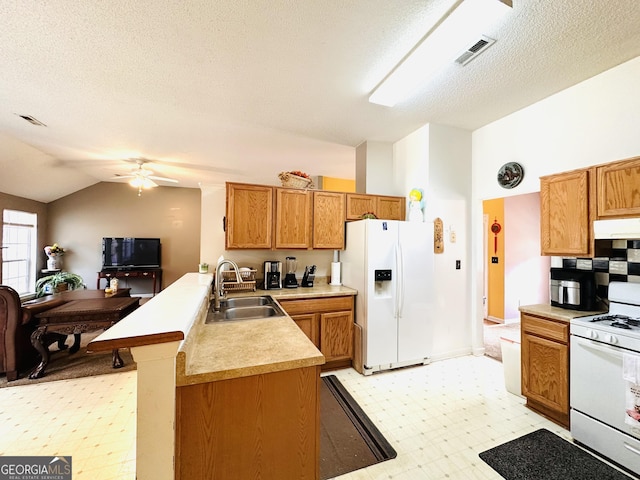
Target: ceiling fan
(142, 177)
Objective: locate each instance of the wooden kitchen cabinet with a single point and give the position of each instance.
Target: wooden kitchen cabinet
(293, 218)
(309, 324)
(336, 337)
(359, 204)
(265, 217)
(567, 209)
(619, 189)
(545, 366)
(328, 220)
(391, 208)
(384, 207)
(249, 216)
(262, 426)
(328, 322)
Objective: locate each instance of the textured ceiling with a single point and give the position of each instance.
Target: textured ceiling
(241, 90)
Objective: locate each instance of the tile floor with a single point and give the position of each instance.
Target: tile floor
(438, 417)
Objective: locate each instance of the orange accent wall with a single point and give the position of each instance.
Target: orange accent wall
(338, 184)
(495, 288)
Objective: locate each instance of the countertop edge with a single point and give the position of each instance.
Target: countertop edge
(183, 380)
(556, 313)
(137, 341)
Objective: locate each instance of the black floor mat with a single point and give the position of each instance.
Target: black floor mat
(542, 455)
(348, 438)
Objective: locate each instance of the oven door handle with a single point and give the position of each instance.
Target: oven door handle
(610, 350)
(629, 447)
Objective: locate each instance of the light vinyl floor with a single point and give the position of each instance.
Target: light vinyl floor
(438, 417)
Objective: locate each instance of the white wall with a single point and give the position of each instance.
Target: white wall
(374, 162)
(437, 159)
(593, 122)
(526, 272)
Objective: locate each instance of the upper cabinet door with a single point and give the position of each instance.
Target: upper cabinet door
(293, 218)
(249, 216)
(359, 204)
(566, 214)
(391, 208)
(619, 189)
(328, 220)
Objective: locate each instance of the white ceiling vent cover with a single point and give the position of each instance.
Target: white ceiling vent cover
(474, 50)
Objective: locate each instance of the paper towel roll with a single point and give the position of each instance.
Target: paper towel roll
(335, 274)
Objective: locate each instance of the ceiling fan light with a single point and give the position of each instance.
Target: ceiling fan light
(468, 20)
(136, 181)
(148, 183)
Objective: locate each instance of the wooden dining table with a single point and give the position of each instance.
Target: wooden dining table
(77, 317)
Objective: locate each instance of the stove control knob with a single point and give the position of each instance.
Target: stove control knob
(592, 334)
(611, 339)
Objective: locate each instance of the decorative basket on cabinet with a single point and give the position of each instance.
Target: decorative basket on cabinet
(289, 179)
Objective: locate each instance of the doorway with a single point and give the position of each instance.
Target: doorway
(514, 271)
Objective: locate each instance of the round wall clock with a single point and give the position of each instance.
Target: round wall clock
(510, 175)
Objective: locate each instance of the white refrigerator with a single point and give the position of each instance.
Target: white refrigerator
(391, 264)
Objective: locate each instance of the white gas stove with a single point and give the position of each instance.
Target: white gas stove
(605, 378)
(620, 326)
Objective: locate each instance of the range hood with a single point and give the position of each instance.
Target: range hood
(618, 228)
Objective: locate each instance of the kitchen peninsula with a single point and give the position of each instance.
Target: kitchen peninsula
(261, 374)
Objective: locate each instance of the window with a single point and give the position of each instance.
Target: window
(18, 252)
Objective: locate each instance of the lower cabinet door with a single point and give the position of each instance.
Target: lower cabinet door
(336, 342)
(545, 372)
(309, 325)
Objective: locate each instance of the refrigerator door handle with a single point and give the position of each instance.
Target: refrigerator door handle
(399, 281)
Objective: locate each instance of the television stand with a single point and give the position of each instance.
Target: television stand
(154, 274)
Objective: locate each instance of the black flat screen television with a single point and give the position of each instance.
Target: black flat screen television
(120, 253)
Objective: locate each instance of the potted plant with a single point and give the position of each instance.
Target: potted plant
(58, 282)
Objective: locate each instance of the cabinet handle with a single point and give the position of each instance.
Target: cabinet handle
(224, 223)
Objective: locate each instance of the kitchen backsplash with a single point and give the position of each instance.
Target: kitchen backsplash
(616, 261)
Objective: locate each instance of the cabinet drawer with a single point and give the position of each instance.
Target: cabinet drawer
(546, 328)
(317, 305)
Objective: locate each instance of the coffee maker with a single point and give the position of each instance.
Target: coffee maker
(272, 275)
(291, 264)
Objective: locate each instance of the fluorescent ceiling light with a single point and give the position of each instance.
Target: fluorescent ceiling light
(464, 24)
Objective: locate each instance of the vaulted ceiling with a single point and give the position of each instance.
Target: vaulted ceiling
(238, 90)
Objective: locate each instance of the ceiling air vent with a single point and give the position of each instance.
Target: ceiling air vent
(32, 120)
(474, 50)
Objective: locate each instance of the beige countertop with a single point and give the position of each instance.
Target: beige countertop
(228, 350)
(318, 290)
(556, 313)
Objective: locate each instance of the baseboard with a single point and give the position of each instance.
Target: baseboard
(452, 354)
(495, 319)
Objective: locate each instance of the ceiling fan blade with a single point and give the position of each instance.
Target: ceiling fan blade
(162, 179)
(118, 176)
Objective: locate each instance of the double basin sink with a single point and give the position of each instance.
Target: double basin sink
(244, 308)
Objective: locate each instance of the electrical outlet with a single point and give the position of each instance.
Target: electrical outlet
(452, 236)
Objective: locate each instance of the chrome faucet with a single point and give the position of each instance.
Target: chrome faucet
(218, 291)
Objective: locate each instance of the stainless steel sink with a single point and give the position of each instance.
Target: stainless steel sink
(246, 302)
(244, 308)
